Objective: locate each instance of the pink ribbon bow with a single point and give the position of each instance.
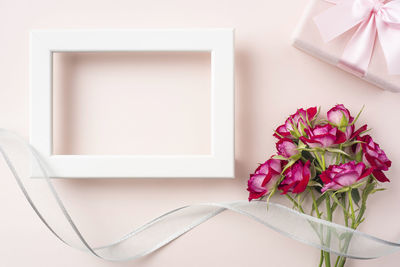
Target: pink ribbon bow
(372, 17)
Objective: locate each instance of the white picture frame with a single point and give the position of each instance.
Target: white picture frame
(219, 42)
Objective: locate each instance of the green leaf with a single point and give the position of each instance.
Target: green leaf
(306, 149)
(342, 129)
(318, 201)
(323, 121)
(358, 185)
(305, 153)
(338, 203)
(366, 131)
(278, 134)
(295, 157)
(314, 183)
(359, 156)
(313, 173)
(356, 196)
(357, 224)
(377, 190)
(302, 127)
(334, 206)
(279, 157)
(318, 111)
(344, 121)
(271, 194)
(344, 189)
(295, 131)
(358, 115)
(336, 150)
(307, 120)
(369, 188)
(290, 163)
(301, 145)
(347, 144)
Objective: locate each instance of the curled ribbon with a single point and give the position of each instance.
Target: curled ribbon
(161, 231)
(373, 17)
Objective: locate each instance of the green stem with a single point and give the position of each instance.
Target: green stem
(314, 203)
(327, 255)
(364, 201)
(355, 220)
(295, 203)
(319, 160)
(353, 216)
(321, 259)
(346, 221)
(339, 156)
(342, 262)
(323, 160)
(337, 261)
(329, 218)
(345, 214)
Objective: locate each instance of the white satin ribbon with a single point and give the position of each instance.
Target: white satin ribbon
(159, 232)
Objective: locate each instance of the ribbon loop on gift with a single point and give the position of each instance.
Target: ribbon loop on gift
(373, 17)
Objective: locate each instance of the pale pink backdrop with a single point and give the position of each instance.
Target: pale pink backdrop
(132, 103)
(272, 79)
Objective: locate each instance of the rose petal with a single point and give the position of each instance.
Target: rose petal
(380, 176)
(311, 112)
(346, 178)
(360, 130)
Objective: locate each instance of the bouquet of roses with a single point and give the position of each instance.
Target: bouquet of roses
(326, 159)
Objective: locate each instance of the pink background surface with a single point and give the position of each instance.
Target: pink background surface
(132, 103)
(272, 80)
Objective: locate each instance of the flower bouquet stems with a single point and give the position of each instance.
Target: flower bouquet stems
(331, 162)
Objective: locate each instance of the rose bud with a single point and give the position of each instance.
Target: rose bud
(264, 178)
(347, 174)
(286, 147)
(339, 116)
(323, 136)
(298, 120)
(296, 178)
(374, 156)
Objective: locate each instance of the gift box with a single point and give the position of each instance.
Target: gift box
(361, 37)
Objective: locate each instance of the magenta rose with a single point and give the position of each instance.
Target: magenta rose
(339, 116)
(323, 136)
(375, 157)
(265, 177)
(286, 147)
(347, 174)
(296, 178)
(298, 119)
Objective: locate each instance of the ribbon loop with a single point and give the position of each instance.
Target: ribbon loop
(377, 6)
(390, 13)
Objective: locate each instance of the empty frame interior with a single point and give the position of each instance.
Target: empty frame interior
(131, 103)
